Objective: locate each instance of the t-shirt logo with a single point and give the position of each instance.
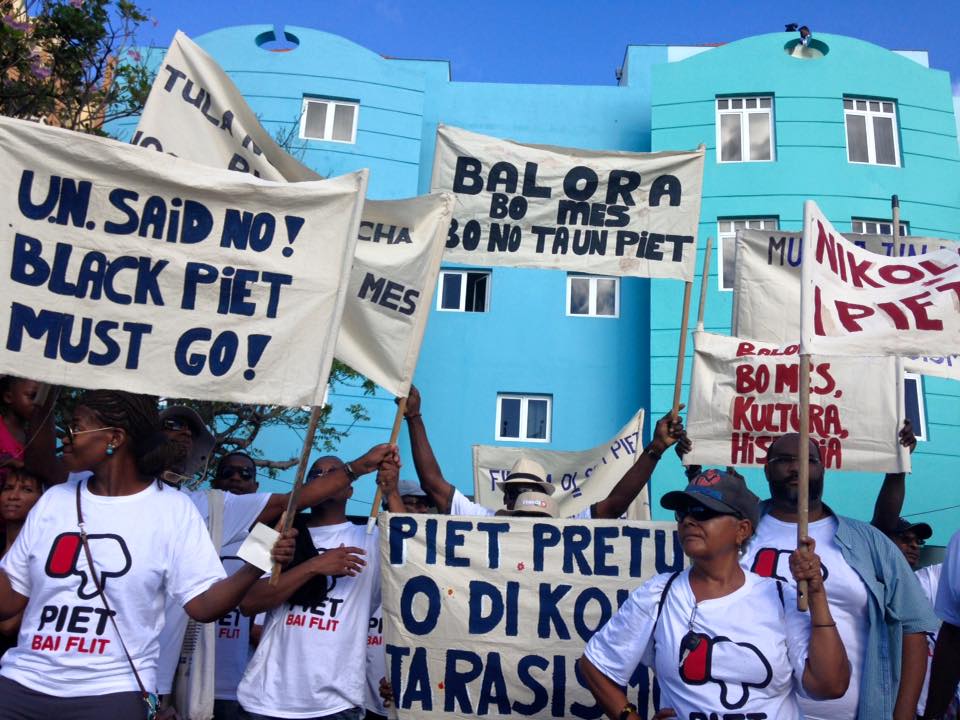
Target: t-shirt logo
(775, 563)
(714, 658)
(111, 557)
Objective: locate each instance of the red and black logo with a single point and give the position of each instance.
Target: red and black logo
(110, 555)
(775, 563)
(703, 660)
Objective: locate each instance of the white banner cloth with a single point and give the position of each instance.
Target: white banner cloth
(581, 478)
(600, 212)
(744, 394)
(148, 273)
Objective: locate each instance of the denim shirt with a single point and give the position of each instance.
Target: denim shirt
(896, 607)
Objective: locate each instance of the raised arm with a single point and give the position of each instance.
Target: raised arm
(666, 432)
(889, 504)
(387, 480)
(428, 471)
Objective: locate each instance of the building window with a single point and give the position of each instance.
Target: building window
(913, 402)
(464, 290)
(593, 296)
(524, 417)
(866, 226)
(745, 129)
(331, 120)
(727, 243)
(871, 131)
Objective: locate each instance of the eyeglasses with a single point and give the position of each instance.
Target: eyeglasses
(69, 433)
(701, 513)
(320, 472)
(231, 470)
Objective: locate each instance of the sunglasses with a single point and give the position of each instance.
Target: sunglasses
(69, 433)
(174, 424)
(228, 472)
(320, 472)
(701, 513)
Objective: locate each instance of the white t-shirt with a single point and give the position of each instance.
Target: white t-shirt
(947, 604)
(461, 505)
(929, 578)
(233, 637)
(376, 662)
(326, 643)
(147, 547)
(769, 555)
(752, 646)
(239, 513)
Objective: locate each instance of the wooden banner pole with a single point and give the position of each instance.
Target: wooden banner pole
(287, 520)
(681, 353)
(803, 458)
(394, 435)
(895, 204)
(704, 280)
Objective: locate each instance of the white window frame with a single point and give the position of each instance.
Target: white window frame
(729, 234)
(524, 399)
(861, 106)
(461, 307)
(861, 226)
(919, 432)
(592, 301)
(328, 121)
(724, 106)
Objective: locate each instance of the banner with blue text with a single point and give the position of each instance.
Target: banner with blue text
(148, 273)
(488, 616)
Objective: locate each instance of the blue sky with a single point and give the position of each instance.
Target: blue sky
(565, 41)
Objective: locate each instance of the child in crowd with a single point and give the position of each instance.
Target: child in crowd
(17, 398)
(19, 492)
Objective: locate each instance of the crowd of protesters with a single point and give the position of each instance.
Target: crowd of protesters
(123, 593)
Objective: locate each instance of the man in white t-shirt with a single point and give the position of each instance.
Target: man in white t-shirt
(451, 501)
(878, 605)
(945, 671)
(311, 660)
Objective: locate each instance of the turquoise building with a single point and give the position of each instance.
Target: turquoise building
(558, 360)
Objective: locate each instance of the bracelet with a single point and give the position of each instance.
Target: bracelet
(831, 624)
(351, 475)
(627, 711)
(652, 453)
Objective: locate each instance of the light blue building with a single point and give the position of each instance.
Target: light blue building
(562, 361)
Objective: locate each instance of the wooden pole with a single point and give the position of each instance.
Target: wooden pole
(895, 204)
(287, 520)
(803, 457)
(703, 284)
(681, 353)
(394, 434)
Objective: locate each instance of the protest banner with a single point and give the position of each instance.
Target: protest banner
(743, 395)
(853, 302)
(153, 274)
(766, 288)
(601, 212)
(488, 616)
(581, 478)
(195, 111)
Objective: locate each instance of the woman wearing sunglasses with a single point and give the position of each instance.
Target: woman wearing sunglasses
(88, 644)
(722, 642)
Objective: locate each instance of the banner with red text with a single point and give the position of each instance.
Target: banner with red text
(600, 212)
(744, 394)
(766, 288)
(853, 302)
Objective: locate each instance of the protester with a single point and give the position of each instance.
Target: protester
(88, 646)
(318, 615)
(450, 500)
(184, 426)
(19, 492)
(739, 639)
(881, 613)
(415, 500)
(945, 671)
(17, 401)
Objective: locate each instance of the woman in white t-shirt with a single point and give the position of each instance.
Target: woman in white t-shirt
(722, 642)
(88, 642)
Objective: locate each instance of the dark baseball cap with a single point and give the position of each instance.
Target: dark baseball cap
(921, 530)
(718, 490)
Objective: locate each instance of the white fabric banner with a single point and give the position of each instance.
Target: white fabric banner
(195, 111)
(853, 302)
(601, 212)
(766, 288)
(149, 273)
(744, 394)
(486, 617)
(581, 478)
